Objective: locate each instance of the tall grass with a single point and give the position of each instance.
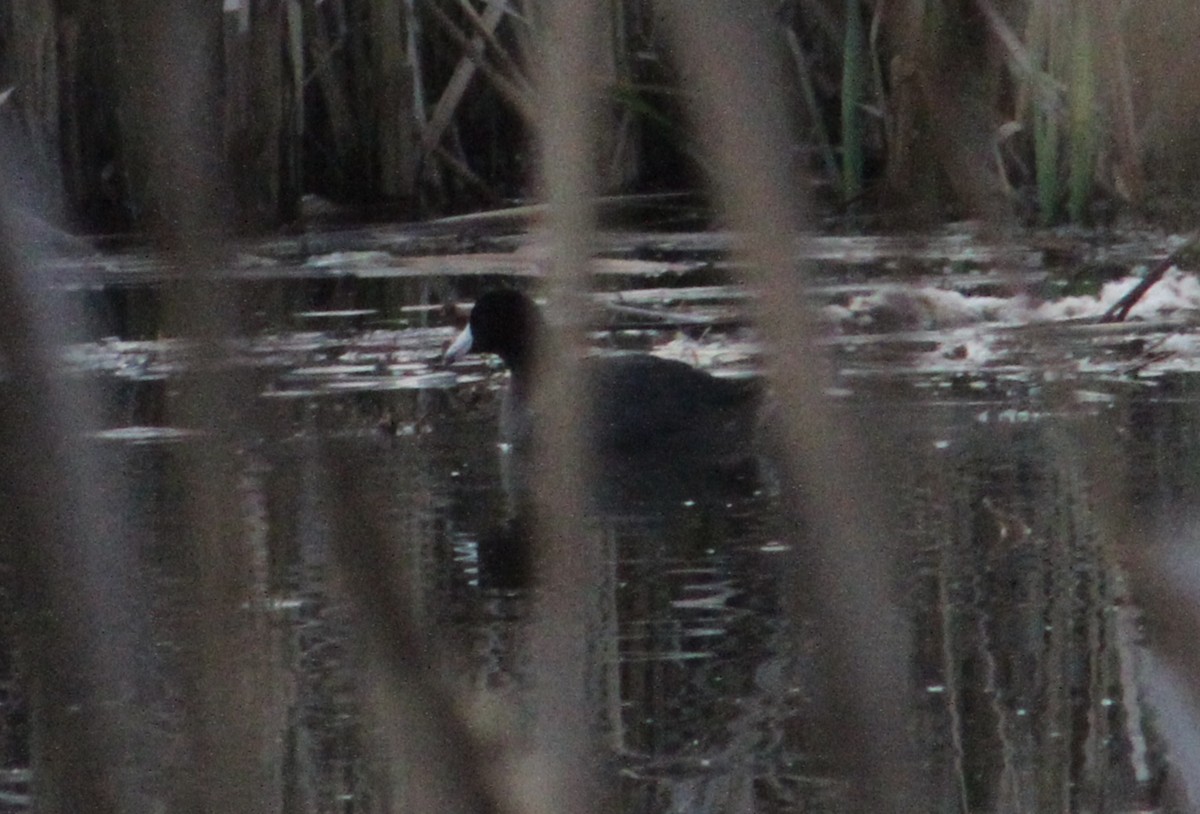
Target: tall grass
(429, 106)
(1061, 94)
(66, 570)
(854, 85)
(1041, 95)
(1083, 117)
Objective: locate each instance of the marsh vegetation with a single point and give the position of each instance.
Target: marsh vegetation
(263, 553)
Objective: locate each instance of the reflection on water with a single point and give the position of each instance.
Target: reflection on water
(1027, 654)
(1026, 645)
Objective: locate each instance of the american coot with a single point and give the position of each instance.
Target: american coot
(642, 406)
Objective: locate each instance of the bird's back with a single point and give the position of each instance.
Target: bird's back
(645, 405)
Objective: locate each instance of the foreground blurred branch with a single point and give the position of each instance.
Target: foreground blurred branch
(564, 627)
(66, 571)
(738, 110)
(170, 85)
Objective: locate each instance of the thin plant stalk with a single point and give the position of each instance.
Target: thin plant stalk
(452, 94)
(1083, 118)
(854, 83)
(1042, 34)
(809, 94)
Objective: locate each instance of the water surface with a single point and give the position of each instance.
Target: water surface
(1018, 476)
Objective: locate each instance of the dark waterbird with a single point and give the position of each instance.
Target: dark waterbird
(643, 407)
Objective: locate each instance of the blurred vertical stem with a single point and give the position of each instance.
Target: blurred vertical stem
(1083, 122)
(67, 569)
(169, 78)
(563, 634)
(841, 569)
(853, 86)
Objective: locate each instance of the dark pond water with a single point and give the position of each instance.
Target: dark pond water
(1024, 462)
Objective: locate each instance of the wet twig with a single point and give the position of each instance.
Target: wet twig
(655, 318)
(1123, 306)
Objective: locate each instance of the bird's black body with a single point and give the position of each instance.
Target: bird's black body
(640, 406)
